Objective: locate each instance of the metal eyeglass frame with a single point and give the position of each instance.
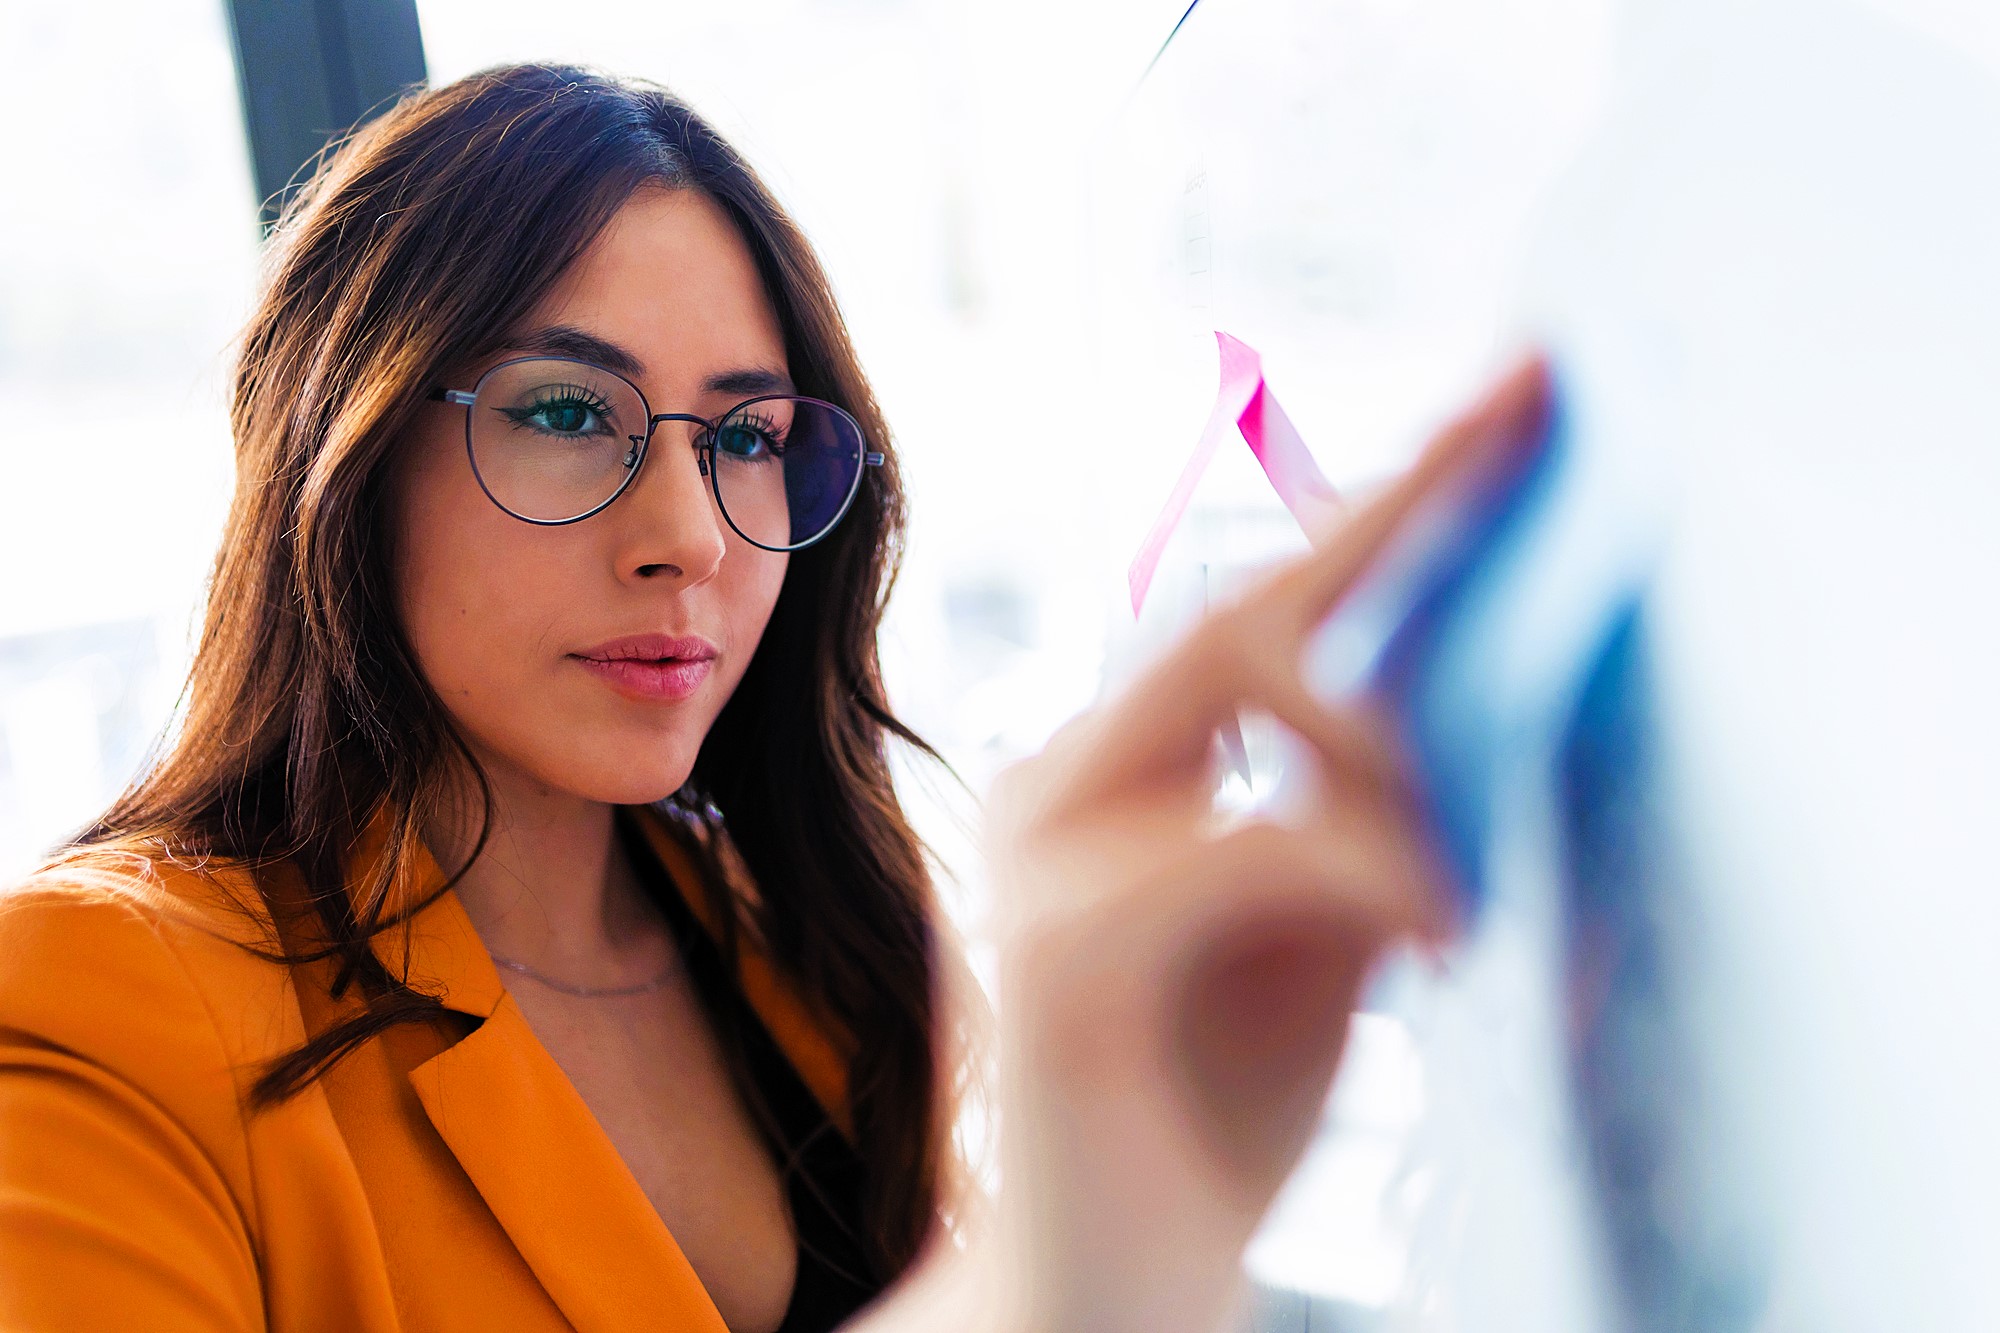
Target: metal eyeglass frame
(704, 449)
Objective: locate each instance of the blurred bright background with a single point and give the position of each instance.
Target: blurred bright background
(1033, 244)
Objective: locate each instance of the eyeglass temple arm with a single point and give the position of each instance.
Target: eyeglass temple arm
(871, 460)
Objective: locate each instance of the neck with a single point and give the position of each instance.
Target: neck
(551, 887)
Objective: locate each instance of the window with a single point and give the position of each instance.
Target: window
(127, 249)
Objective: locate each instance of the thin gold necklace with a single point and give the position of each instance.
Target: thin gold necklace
(584, 992)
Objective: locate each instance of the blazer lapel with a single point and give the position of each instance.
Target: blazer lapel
(530, 1145)
(555, 1182)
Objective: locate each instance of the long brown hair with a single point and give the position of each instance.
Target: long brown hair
(415, 249)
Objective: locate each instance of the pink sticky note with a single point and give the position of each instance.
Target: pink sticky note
(1245, 404)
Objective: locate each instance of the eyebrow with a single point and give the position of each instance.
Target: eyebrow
(748, 382)
(567, 340)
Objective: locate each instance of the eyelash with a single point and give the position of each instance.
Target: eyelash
(764, 426)
(561, 395)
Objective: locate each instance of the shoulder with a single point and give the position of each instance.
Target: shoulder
(161, 973)
(133, 1023)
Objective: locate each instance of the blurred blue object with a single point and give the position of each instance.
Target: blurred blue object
(1703, 712)
(1481, 625)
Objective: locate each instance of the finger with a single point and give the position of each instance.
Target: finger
(1259, 991)
(1486, 442)
(1388, 827)
(1352, 747)
(1172, 968)
(1368, 879)
(1165, 721)
(1255, 1032)
(1357, 807)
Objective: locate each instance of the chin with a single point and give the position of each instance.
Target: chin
(638, 771)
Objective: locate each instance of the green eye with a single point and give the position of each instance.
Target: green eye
(566, 418)
(563, 412)
(750, 438)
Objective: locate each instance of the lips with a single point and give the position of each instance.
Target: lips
(651, 667)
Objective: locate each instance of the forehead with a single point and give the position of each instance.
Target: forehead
(672, 281)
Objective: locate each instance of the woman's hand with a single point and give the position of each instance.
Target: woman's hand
(1175, 988)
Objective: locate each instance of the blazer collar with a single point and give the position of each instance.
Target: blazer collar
(438, 945)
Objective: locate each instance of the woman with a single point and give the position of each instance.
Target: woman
(520, 929)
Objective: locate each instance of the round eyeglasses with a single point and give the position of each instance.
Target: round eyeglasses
(554, 440)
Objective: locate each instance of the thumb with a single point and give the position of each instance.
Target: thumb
(1258, 1025)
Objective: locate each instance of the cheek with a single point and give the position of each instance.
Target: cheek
(747, 588)
(471, 583)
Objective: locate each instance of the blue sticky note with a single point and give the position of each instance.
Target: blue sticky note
(1482, 623)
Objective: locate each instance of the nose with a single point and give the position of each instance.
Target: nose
(670, 526)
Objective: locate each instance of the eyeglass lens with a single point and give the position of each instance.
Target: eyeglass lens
(553, 440)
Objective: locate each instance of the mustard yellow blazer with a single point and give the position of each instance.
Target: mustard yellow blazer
(431, 1181)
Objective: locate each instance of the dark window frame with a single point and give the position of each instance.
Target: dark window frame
(308, 71)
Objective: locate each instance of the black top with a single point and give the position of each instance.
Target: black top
(822, 1173)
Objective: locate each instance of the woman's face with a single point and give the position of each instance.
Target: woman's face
(564, 653)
